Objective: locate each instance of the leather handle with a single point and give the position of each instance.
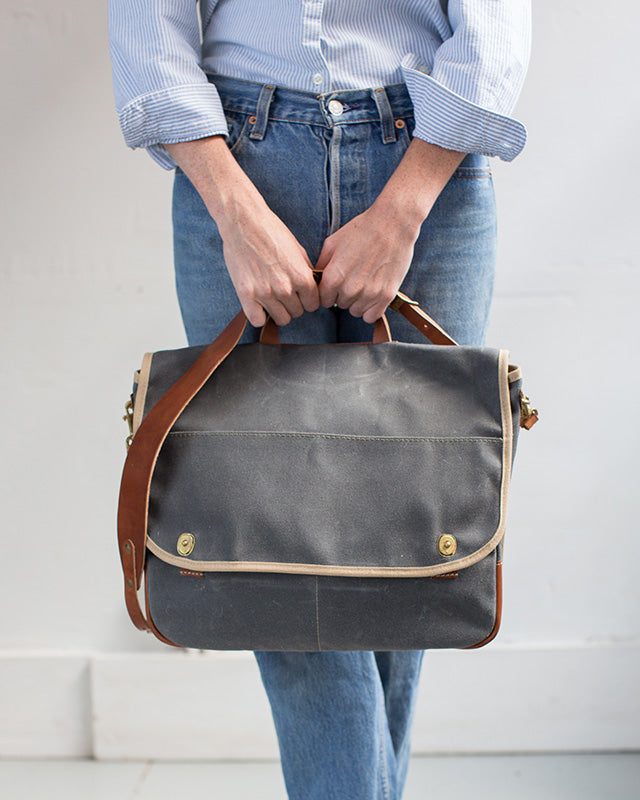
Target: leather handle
(143, 453)
(270, 333)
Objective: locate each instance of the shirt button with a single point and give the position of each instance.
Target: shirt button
(317, 79)
(335, 108)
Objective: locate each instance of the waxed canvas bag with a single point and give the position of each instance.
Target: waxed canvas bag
(320, 497)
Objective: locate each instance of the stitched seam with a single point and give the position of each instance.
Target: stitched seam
(348, 437)
(381, 722)
(334, 179)
(238, 146)
(384, 772)
(472, 172)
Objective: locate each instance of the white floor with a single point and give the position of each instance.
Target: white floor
(528, 777)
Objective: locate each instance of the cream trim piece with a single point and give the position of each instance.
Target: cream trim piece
(322, 569)
(379, 572)
(515, 373)
(141, 392)
(507, 432)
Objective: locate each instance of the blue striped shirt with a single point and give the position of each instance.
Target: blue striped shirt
(463, 62)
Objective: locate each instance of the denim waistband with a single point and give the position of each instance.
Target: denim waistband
(265, 101)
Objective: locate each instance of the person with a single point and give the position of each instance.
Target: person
(352, 137)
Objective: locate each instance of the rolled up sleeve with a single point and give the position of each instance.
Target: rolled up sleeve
(162, 94)
(463, 100)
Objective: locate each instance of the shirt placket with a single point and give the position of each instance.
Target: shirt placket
(312, 11)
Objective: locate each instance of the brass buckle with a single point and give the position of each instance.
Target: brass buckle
(128, 418)
(528, 415)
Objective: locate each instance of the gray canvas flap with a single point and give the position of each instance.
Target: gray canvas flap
(334, 459)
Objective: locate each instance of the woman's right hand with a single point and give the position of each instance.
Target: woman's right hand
(270, 270)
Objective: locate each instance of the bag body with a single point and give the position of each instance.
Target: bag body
(327, 497)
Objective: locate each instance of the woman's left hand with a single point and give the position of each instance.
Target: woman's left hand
(364, 263)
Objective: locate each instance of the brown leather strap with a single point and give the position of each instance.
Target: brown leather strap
(142, 456)
(420, 320)
(270, 333)
(146, 444)
(381, 331)
(402, 304)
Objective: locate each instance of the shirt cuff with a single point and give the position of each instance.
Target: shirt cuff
(449, 120)
(176, 114)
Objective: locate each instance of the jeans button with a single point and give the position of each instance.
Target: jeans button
(335, 108)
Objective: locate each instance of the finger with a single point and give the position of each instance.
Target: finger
(278, 313)
(309, 295)
(370, 297)
(278, 294)
(372, 305)
(325, 255)
(358, 308)
(254, 312)
(330, 287)
(374, 313)
(346, 299)
(328, 297)
(306, 288)
(293, 305)
(330, 280)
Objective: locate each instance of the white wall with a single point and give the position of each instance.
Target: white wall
(87, 288)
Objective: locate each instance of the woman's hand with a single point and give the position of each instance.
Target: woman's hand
(270, 270)
(366, 260)
(364, 263)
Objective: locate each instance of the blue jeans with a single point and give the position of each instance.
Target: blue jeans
(343, 720)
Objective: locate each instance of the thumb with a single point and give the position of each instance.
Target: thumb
(325, 255)
(328, 294)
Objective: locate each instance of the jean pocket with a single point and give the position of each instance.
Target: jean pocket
(239, 124)
(473, 165)
(466, 172)
(404, 132)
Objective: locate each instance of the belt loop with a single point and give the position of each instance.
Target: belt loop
(386, 115)
(262, 112)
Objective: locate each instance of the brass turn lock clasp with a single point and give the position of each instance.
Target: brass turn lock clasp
(186, 543)
(447, 544)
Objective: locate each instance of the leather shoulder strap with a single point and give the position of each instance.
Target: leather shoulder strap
(421, 320)
(143, 453)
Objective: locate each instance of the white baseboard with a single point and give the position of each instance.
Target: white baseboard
(44, 705)
(181, 706)
(549, 699)
(186, 705)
